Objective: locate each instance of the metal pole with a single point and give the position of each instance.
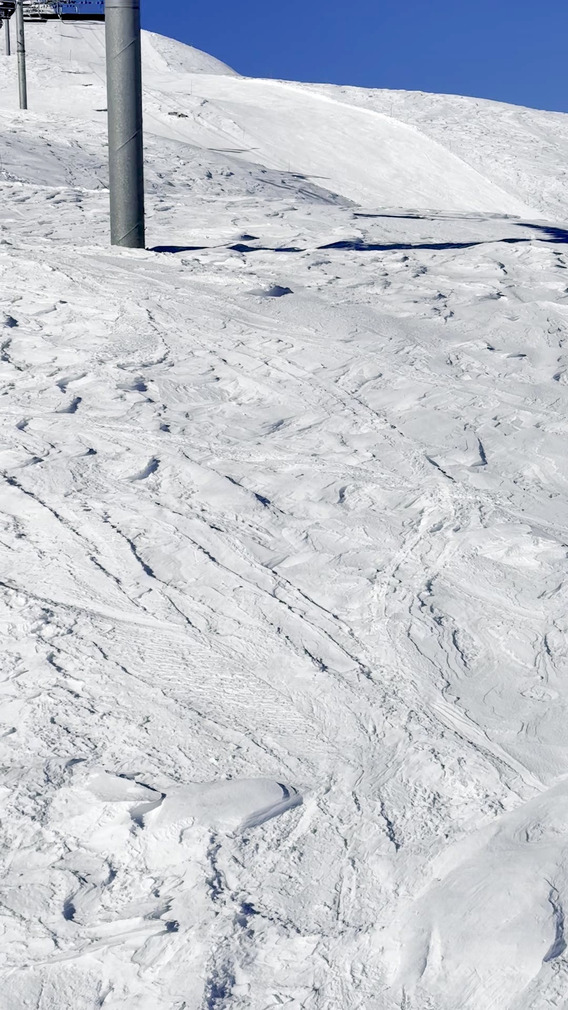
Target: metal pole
(21, 51)
(125, 140)
(7, 36)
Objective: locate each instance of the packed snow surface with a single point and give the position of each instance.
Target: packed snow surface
(283, 557)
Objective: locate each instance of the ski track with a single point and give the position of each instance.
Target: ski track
(317, 540)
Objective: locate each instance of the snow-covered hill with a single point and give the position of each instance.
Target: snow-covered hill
(283, 507)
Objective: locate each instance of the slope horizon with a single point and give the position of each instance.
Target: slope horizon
(511, 52)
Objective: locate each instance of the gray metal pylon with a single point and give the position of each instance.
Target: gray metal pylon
(7, 36)
(21, 51)
(125, 139)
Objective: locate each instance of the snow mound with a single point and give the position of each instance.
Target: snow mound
(180, 58)
(521, 150)
(83, 44)
(230, 805)
(233, 805)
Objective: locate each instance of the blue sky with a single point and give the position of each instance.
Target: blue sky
(511, 50)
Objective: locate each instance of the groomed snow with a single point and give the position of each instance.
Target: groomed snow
(283, 506)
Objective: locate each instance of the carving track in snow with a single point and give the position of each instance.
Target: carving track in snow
(256, 550)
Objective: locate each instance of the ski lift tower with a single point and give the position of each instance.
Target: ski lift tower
(125, 138)
(21, 51)
(7, 8)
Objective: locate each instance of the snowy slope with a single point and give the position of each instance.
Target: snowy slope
(523, 151)
(359, 153)
(283, 551)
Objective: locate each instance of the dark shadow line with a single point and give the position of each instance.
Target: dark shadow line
(179, 248)
(240, 247)
(559, 235)
(355, 246)
(417, 215)
(556, 236)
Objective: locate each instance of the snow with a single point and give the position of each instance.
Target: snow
(282, 547)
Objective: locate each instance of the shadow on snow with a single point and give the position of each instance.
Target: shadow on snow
(554, 236)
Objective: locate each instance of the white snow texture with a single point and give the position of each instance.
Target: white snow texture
(283, 555)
